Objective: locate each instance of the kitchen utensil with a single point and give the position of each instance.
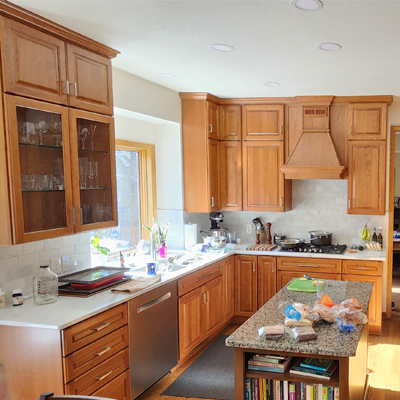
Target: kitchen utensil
(291, 243)
(278, 236)
(262, 247)
(231, 237)
(268, 238)
(321, 284)
(321, 238)
(308, 277)
(260, 234)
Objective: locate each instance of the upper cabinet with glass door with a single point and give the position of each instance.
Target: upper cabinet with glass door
(93, 172)
(44, 67)
(39, 164)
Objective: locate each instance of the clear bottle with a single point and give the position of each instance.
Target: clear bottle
(45, 286)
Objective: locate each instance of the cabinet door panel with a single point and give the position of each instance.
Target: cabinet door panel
(231, 175)
(118, 389)
(263, 122)
(190, 327)
(245, 285)
(39, 165)
(33, 63)
(284, 277)
(228, 287)
(375, 303)
(89, 76)
(367, 121)
(93, 172)
(230, 118)
(212, 112)
(213, 312)
(266, 279)
(213, 174)
(367, 176)
(263, 183)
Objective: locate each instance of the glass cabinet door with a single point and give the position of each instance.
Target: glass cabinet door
(93, 158)
(39, 157)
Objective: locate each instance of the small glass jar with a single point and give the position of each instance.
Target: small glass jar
(17, 298)
(45, 286)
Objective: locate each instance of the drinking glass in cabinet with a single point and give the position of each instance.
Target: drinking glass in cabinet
(83, 171)
(26, 132)
(83, 134)
(92, 174)
(40, 127)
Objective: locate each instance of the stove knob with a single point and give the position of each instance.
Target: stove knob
(314, 250)
(320, 251)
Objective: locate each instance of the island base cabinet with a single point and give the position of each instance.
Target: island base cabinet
(228, 288)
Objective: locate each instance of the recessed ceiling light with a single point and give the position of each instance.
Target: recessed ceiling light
(272, 84)
(166, 76)
(223, 47)
(307, 5)
(329, 46)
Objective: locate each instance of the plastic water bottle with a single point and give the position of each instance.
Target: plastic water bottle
(45, 286)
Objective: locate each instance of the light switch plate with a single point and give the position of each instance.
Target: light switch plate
(69, 263)
(249, 228)
(55, 265)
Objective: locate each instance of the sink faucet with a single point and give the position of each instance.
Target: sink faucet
(155, 228)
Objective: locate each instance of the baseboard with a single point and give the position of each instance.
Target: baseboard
(239, 320)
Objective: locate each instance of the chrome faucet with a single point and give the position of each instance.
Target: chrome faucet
(155, 228)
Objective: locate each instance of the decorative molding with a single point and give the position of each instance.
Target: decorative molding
(19, 14)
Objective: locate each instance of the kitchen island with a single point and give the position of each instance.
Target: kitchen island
(350, 349)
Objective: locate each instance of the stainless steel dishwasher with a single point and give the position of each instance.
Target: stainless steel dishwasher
(153, 336)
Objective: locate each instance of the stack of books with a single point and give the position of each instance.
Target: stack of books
(314, 367)
(272, 389)
(269, 363)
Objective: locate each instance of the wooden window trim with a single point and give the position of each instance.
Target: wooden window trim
(147, 168)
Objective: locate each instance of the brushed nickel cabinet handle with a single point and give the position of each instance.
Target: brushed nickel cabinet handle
(280, 130)
(212, 201)
(103, 352)
(254, 267)
(307, 265)
(75, 89)
(281, 201)
(273, 264)
(99, 328)
(104, 376)
(73, 216)
(204, 298)
(361, 267)
(349, 203)
(203, 277)
(208, 296)
(350, 129)
(153, 302)
(210, 128)
(67, 86)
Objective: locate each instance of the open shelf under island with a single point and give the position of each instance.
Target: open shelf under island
(349, 349)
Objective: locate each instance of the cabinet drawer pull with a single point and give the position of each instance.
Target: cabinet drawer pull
(208, 296)
(75, 89)
(350, 130)
(67, 86)
(212, 201)
(307, 265)
(210, 128)
(349, 203)
(281, 201)
(99, 328)
(254, 267)
(361, 267)
(102, 352)
(280, 130)
(204, 298)
(273, 264)
(104, 376)
(203, 277)
(73, 216)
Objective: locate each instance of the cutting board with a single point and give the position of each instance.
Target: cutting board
(262, 247)
(302, 286)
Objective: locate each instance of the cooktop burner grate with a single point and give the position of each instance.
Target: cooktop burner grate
(311, 248)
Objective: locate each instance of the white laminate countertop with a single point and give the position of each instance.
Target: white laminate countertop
(68, 311)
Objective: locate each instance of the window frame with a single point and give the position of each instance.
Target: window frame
(147, 174)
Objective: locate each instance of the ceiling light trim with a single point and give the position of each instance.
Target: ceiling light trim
(225, 48)
(307, 5)
(165, 75)
(329, 46)
(272, 84)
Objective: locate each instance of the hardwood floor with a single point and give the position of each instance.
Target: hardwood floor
(383, 363)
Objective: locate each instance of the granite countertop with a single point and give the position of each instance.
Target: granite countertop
(330, 342)
(68, 311)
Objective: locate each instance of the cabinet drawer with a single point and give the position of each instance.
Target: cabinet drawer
(95, 353)
(362, 267)
(86, 332)
(98, 376)
(198, 278)
(309, 265)
(119, 388)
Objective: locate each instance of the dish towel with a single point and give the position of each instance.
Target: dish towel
(137, 284)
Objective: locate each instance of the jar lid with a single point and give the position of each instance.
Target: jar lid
(17, 291)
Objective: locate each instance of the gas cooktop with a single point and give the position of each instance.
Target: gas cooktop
(311, 248)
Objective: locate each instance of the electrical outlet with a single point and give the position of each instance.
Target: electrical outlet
(55, 265)
(249, 228)
(69, 263)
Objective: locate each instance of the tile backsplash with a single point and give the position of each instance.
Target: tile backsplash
(19, 263)
(317, 204)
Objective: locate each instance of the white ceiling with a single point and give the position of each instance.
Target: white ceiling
(272, 40)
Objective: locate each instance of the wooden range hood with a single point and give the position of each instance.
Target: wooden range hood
(314, 156)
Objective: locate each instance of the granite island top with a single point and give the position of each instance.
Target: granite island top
(330, 342)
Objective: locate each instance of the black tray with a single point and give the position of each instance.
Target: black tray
(68, 290)
(92, 275)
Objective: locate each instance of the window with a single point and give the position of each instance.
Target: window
(136, 196)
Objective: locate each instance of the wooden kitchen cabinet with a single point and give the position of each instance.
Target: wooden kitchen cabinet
(230, 122)
(266, 279)
(366, 177)
(213, 174)
(263, 122)
(264, 186)
(213, 312)
(228, 288)
(367, 121)
(368, 271)
(231, 175)
(213, 119)
(89, 77)
(33, 63)
(245, 285)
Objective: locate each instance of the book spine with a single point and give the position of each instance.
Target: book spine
(325, 393)
(277, 390)
(265, 389)
(247, 389)
(285, 390)
(256, 392)
(303, 391)
(265, 364)
(292, 391)
(298, 391)
(261, 387)
(311, 392)
(265, 359)
(315, 391)
(252, 389)
(281, 389)
(320, 390)
(266, 369)
(330, 393)
(336, 393)
(313, 372)
(309, 375)
(269, 356)
(308, 392)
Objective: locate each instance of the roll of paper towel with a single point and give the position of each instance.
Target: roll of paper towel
(190, 235)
